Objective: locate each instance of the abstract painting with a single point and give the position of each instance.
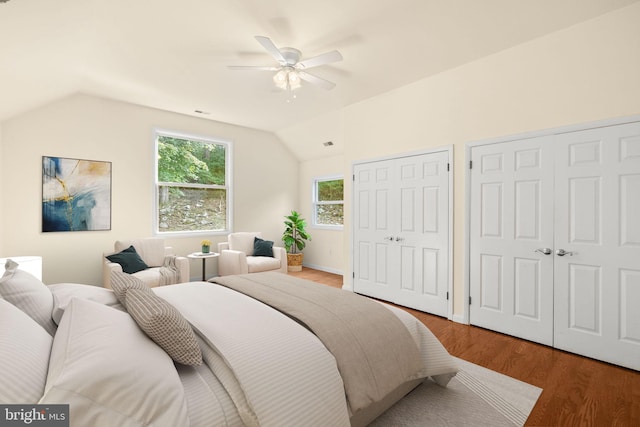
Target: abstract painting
(76, 194)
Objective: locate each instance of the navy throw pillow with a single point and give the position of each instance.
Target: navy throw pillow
(129, 260)
(262, 247)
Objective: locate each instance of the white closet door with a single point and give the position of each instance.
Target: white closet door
(423, 237)
(597, 205)
(511, 238)
(376, 262)
(401, 231)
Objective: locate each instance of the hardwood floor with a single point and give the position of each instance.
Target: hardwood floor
(576, 391)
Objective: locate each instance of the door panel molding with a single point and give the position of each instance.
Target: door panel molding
(417, 227)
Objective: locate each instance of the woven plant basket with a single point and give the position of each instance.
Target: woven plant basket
(294, 262)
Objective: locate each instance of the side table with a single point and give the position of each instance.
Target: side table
(203, 257)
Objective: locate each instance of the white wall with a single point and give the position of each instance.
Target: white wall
(87, 127)
(584, 73)
(1, 186)
(325, 251)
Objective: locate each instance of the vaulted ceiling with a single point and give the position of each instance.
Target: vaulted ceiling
(173, 55)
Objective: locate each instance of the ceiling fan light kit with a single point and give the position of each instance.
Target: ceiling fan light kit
(290, 72)
(287, 79)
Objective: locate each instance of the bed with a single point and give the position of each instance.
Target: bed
(262, 349)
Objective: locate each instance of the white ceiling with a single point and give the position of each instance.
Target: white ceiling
(172, 55)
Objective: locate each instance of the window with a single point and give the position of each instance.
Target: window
(328, 202)
(193, 184)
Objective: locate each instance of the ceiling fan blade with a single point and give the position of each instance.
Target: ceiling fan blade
(271, 48)
(251, 67)
(325, 84)
(325, 58)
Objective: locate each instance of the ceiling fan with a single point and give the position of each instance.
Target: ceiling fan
(291, 70)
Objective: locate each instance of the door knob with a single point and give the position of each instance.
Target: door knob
(389, 238)
(562, 252)
(544, 251)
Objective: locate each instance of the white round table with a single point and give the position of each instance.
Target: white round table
(203, 257)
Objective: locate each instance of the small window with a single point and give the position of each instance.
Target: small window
(192, 184)
(328, 202)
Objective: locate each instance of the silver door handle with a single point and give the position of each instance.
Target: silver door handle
(389, 238)
(562, 252)
(544, 251)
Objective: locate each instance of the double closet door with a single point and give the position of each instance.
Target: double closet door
(555, 241)
(401, 230)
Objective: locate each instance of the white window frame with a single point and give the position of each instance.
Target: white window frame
(315, 202)
(228, 187)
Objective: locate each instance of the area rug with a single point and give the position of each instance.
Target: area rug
(474, 397)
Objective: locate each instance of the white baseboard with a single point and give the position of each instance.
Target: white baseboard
(458, 318)
(321, 268)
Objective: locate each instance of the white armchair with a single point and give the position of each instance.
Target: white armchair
(156, 256)
(236, 256)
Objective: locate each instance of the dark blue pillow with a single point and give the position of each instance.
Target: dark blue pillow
(129, 260)
(262, 247)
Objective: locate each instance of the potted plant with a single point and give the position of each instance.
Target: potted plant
(294, 238)
(206, 246)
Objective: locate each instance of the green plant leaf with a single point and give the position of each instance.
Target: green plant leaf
(294, 234)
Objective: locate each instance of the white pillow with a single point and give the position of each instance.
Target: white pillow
(24, 356)
(64, 292)
(110, 372)
(29, 294)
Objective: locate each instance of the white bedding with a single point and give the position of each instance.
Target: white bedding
(110, 372)
(288, 376)
(260, 367)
